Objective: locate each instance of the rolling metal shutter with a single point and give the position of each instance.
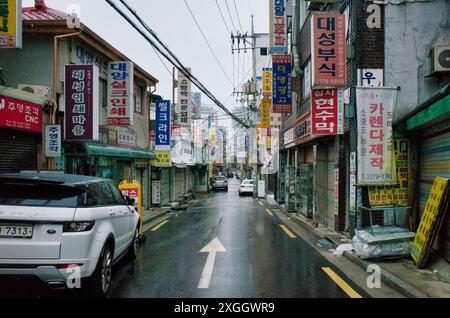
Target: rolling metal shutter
(19, 151)
(331, 178)
(435, 162)
(179, 183)
(321, 185)
(165, 186)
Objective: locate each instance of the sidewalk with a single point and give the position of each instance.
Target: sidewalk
(401, 275)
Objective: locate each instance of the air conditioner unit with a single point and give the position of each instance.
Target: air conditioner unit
(440, 58)
(41, 91)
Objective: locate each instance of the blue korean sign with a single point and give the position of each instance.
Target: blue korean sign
(282, 90)
(163, 123)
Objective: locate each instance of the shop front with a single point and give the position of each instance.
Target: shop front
(21, 126)
(430, 128)
(116, 163)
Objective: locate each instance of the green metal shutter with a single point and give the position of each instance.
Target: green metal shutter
(165, 186)
(435, 162)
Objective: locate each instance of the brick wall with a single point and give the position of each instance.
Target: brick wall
(368, 45)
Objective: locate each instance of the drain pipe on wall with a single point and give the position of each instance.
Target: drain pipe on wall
(51, 161)
(298, 71)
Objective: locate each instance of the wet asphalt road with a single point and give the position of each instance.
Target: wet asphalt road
(261, 260)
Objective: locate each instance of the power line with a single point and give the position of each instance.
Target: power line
(223, 18)
(207, 42)
(231, 18)
(239, 19)
(173, 59)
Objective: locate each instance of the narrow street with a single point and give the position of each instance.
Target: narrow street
(261, 259)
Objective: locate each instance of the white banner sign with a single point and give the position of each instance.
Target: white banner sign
(184, 105)
(156, 192)
(53, 141)
(375, 111)
(120, 93)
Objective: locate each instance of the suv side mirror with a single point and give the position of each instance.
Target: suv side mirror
(129, 201)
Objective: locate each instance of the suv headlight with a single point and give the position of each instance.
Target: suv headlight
(72, 227)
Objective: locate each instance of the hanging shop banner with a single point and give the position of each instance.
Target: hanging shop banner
(212, 145)
(19, 114)
(197, 138)
(53, 141)
(282, 89)
(162, 123)
(431, 221)
(328, 49)
(196, 104)
(184, 105)
(10, 24)
(278, 26)
(375, 111)
(327, 111)
(120, 93)
(267, 82)
(265, 113)
(81, 95)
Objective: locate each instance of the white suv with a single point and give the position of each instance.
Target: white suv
(55, 226)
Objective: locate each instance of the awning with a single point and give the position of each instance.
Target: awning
(94, 149)
(22, 95)
(432, 111)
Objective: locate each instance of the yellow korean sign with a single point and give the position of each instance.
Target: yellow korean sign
(134, 191)
(163, 158)
(10, 24)
(265, 113)
(429, 217)
(267, 82)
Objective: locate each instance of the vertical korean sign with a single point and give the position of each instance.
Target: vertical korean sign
(267, 82)
(282, 90)
(327, 111)
(328, 49)
(120, 93)
(265, 113)
(278, 26)
(375, 111)
(81, 95)
(10, 24)
(53, 141)
(184, 106)
(162, 142)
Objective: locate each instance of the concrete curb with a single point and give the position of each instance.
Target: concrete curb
(148, 220)
(386, 277)
(389, 279)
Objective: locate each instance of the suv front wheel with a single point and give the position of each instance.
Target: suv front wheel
(134, 247)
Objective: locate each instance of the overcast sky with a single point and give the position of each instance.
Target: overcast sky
(173, 23)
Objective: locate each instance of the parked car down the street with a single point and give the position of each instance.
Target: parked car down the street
(220, 182)
(246, 187)
(52, 222)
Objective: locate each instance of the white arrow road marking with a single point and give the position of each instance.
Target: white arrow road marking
(212, 248)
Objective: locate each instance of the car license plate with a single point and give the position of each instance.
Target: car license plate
(16, 231)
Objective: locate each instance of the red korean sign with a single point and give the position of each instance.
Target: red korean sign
(329, 50)
(327, 111)
(19, 114)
